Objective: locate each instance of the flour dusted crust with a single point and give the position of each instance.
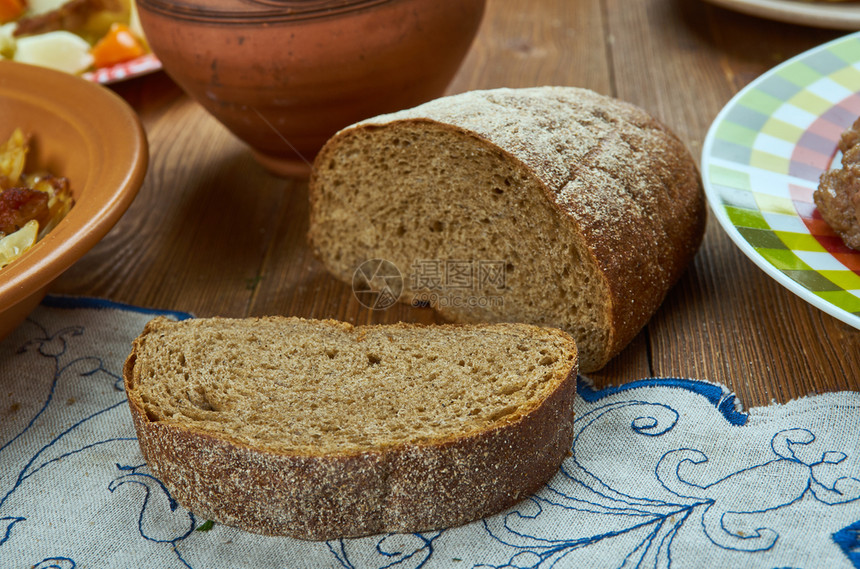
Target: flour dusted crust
(622, 188)
(316, 494)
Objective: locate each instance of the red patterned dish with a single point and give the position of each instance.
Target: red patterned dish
(143, 65)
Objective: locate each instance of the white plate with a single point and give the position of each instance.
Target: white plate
(839, 15)
(762, 160)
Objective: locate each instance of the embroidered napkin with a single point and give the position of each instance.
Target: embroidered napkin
(663, 473)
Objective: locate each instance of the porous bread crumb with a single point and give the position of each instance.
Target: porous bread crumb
(594, 207)
(400, 224)
(295, 386)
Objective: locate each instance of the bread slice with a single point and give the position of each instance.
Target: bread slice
(590, 208)
(320, 430)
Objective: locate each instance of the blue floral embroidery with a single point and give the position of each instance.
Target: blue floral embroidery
(640, 521)
(848, 539)
(150, 485)
(54, 348)
(658, 521)
(6, 525)
(588, 498)
(55, 563)
(786, 467)
(394, 550)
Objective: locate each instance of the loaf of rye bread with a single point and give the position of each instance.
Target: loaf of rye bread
(592, 208)
(321, 430)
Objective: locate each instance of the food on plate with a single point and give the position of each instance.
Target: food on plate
(589, 208)
(838, 194)
(318, 430)
(70, 35)
(58, 50)
(118, 45)
(11, 9)
(30, 204)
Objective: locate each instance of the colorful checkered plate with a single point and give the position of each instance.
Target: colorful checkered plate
(761, 163)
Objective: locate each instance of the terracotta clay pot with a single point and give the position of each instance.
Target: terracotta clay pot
(284, 76)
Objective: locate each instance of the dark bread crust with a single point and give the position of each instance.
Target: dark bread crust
(632, 193)
(642, 258)
(405, 488)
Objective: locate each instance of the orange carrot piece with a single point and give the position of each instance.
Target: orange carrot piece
(118, 45)
(11, 9)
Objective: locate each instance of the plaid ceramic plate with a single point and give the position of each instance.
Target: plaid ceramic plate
(761, 163)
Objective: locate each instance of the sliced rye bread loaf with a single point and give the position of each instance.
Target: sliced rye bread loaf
(592, 207)
(321, 430)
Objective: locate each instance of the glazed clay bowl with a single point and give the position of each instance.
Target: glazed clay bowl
(81, 131)
(285, 75)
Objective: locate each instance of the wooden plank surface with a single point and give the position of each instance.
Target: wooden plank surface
(213, 234)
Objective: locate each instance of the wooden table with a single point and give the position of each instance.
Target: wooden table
(213, 234)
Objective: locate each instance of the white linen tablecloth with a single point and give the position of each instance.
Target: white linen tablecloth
(663, 473)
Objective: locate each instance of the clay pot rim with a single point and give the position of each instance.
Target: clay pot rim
(270, 11)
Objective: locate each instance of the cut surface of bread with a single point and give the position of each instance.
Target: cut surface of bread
(588, 207)
(320, 430)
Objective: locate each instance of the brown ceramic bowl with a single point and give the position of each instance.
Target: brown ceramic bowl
(86, 133)
(285, 75)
